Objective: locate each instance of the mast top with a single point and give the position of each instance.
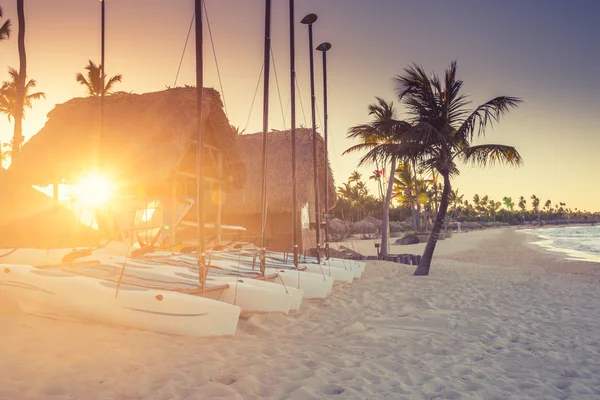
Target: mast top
(309, 19)
(324, 46)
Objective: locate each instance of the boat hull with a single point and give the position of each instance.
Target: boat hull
(56, 293)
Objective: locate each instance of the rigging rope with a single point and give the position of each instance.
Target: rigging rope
(184, 47)
(9, 252)
(216, 61)
(301, 104)
(278, 90)
(254, 98)
(214, 55)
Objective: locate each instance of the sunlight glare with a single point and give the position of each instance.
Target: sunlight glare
(93, 190)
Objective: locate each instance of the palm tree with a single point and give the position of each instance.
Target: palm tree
(355, 177)
(378, 138)
(404, 185)
(4, 28)
(508, 203)
(5, 154)
(20, 85)
(440, 132)
(376, 176)
(548, 207)
(93, 82)
(522, 206)
(9, 93)
(535, 204)
(484, 206)
(476, 202)
(456, 201)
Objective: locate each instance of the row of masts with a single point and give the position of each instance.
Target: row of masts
(324, 47)
(307, 20)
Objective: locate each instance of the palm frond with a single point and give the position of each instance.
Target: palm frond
(111, 82)
(360, 147)
(490, 154)
(484, 115)
(5, 30)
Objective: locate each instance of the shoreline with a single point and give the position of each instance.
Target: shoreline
(519, 249)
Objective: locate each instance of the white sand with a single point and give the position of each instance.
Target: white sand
(482, 330)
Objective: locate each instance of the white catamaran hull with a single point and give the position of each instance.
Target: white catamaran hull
(339, 275)
(313, 286)
(56, 293)
(250, 297)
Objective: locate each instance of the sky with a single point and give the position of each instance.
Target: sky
(543, 51)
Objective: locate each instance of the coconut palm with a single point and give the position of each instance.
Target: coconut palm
(535, 204)
(440, 132)
(484, 206)
(456, 201)
(5, 152)
(8, 95)
(355, 177)
(376, 176)
(378, 138)
(20, 83)
(548, 207)
(522, 206)
(508, 203)
(404, 189)
(4, 28)
(476, 202)
(93, 82)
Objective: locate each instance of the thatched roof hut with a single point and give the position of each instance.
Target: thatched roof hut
(247, 199)
(30, 219)
(363, 226)
(377, 222)
(338, 227)
(145, 138)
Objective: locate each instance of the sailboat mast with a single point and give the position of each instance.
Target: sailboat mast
(199, 161)
(314, 137)
(293, 123)
(102, 50)
(323, 47)
(267, 58)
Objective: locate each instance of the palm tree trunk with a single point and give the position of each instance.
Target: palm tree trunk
(413, 213)
(425, 264)
(417, 197)
(18, 132)
(385, 229)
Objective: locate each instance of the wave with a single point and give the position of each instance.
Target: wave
(577, 242)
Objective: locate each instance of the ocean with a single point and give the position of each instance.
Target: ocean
(576, 242)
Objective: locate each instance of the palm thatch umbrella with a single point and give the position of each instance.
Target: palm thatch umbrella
(247, 199)
(378, 223)
(31, 219)
(363, 227)
(396, 225)
(145, 138)
(338, 227)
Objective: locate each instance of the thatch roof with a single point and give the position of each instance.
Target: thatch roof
(363, 226)
(247, 199)
(145, 138)
(30, 219)
(377, 222)
(338, 227)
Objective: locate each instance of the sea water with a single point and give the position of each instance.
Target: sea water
(576, 242)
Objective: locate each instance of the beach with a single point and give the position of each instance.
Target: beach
(498, 318)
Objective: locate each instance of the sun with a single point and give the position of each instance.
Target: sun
(94, 190)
